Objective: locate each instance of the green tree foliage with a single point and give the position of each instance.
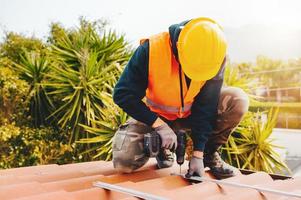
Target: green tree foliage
(66, 80)
(235, 78)
(272, 72)
(56, 32)
(15, 45)
(25, 146)
(28, 57)
(21, 145)
(13, 97)
(86, 63)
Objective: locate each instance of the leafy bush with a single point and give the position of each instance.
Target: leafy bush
(15, 45)
(24, 146)
(13, 97)
(21, 145)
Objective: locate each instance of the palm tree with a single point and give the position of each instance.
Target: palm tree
(33, 67)
(86, 63)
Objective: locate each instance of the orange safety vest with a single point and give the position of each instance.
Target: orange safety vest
(163, 94)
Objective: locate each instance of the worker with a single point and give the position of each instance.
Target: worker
(174, 81)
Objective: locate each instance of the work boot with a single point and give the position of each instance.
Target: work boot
(165, 158)
(219, 168)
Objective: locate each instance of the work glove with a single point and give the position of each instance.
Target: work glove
(196, 167)
(168, 136)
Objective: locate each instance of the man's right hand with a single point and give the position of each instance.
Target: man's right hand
(168, 136)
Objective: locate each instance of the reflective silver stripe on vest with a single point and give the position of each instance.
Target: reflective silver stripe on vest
(170, 109)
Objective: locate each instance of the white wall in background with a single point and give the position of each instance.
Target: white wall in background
(290, 139)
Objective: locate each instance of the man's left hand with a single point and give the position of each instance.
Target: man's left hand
(196, 167)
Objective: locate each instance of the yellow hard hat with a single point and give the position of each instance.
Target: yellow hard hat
(202, 48)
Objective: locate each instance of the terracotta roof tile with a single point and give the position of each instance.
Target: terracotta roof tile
(72, 184)
(75, 182)
(95, 194)
(20, 190)
(61, 195)
(30, 170)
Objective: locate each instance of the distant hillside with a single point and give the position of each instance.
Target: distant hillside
(246, 42)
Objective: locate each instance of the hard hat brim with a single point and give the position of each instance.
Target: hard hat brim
(199, 75)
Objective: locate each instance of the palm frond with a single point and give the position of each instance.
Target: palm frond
(33, 68)
(251, 146)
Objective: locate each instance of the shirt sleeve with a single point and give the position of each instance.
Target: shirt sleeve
(131, 87)
(204, 110)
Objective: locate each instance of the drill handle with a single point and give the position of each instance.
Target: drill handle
(152, 144)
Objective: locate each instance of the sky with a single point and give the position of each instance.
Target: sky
(253, 27)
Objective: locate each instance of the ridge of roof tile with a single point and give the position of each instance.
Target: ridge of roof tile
(60, 194)
(20, 190)
(39, 169)
(75, 182)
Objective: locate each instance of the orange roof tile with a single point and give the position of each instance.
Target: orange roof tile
(75, 182)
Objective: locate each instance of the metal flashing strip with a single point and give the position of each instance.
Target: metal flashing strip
(128, 191)
(223, 182)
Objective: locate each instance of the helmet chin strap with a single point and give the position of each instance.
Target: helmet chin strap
(181, 88)
(177, 28)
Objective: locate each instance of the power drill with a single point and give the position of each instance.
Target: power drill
(152, 145)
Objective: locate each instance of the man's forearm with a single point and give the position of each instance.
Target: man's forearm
(158, 122)
(136, 109)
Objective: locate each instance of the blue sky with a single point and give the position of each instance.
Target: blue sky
(275, 23)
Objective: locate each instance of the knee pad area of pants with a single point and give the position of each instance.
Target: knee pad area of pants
(128, 152)
(124, 164)
(240, 100)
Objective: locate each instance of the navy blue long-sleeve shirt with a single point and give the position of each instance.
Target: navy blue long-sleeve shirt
(131, 89)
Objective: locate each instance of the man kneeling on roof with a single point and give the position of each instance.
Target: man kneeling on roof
(174, 81)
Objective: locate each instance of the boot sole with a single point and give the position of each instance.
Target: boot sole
(222, 176)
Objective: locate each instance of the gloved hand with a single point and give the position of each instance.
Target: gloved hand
(168, 136)
(196, 167)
